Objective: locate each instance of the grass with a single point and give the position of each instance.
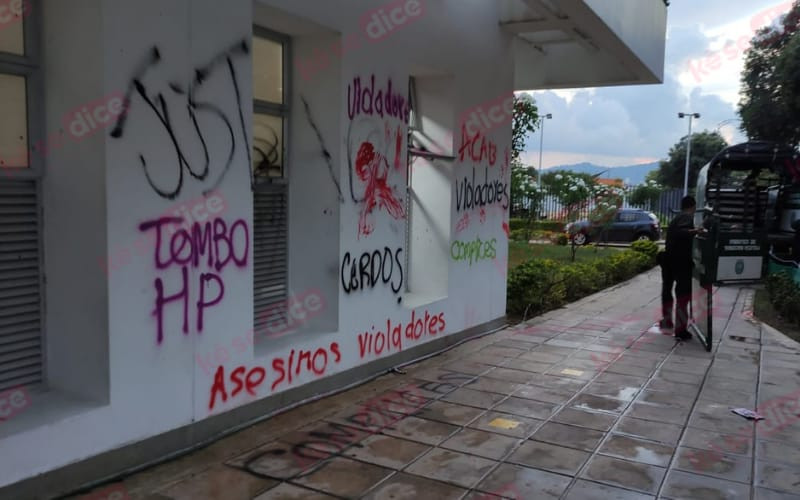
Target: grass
(763, 310)
(519, 252)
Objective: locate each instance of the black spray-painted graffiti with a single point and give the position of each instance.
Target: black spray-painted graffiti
(331, 439)
(470, 195)
(325, 154)
(195, 108)
(216, 243)
(372, 268)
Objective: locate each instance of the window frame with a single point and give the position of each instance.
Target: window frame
(282, 111)
(28, 65)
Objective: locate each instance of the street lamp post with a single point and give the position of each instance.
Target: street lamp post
(688, 150)
(541, 144)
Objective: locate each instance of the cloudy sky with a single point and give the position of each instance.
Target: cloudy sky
(645, 122)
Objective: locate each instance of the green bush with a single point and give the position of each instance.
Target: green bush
(519, 235)
(646, 247)
(536, 285)
(581, 279)
(543, 284)
(784, 294)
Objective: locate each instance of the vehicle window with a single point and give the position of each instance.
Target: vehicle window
(627, 216)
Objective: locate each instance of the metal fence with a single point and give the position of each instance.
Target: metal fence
(552, 209)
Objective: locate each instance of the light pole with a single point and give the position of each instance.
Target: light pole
(688, 150)
(541, 143)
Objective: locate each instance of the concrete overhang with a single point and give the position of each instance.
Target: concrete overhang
(586, 43)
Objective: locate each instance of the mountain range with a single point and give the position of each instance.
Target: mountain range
(631, 174)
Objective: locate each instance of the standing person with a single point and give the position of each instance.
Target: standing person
(676, 269)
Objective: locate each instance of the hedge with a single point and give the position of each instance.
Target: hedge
(539, 285)
(784, 294)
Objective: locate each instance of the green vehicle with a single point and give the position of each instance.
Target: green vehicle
(748, 198)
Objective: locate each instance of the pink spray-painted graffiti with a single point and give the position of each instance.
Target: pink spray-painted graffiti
(376, 146)
(196, 210)
(376, 25)
(12, 402)
(213, 246)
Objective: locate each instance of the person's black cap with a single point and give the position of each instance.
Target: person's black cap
(688, 202)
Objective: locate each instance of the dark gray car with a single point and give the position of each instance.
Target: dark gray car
(629, 225)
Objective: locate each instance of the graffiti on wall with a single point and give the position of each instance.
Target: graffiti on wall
(376, 141)
(166, 104)
(376, 341)
(366, 271)
(282, 371)
(473, 251)
(209, 248)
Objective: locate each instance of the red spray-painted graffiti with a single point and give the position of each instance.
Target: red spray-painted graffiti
(284, 369)
(376, 342)
(371, 140)
(377, 194)
(220, 245)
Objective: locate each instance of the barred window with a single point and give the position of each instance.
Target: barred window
(21, 345)
(270, 179)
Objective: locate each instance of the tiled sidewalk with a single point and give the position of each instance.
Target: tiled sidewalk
(581, 403)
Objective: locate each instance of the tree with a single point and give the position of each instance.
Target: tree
(525, 121)
(770, 103)
(523, 186)
(572, 189)
(646, 195)
(705, 145)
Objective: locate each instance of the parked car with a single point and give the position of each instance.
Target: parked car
(629, 224)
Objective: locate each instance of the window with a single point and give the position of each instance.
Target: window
(270, 180)
(626, 216)
(21, 347)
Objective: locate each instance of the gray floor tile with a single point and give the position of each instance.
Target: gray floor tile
(523, 482)
(451, 467)
(654, 431)
(683, 485)
(587, 490)
(569, 435)
(403, 486)
(624, 474)
(549, 457)
(481, 443)
(637, 450)
(591, 420)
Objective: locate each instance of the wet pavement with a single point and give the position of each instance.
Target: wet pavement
(580, 403)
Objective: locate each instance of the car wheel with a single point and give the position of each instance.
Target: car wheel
(580, 239)
(643, 237)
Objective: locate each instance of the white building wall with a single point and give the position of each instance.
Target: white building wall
(130, 382)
